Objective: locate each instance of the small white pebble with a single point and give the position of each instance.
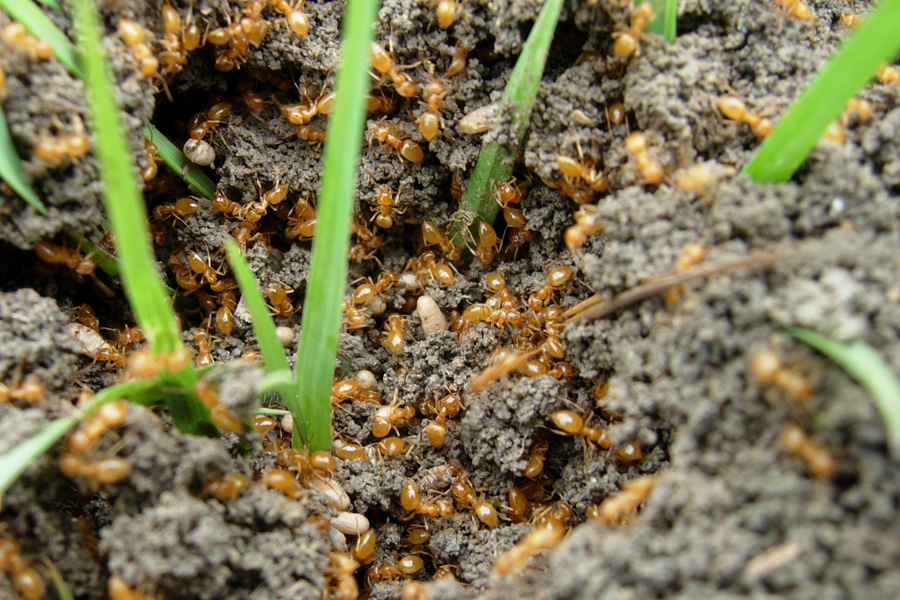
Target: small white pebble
(332, 490)
(350, 523)
(287, 423)
(430, 313)
(285, 335)
(366, 379)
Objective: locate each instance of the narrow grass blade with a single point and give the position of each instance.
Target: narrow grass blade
(40, 26)
(875, 42)
(62, 589)
(328, 272)
(869, 369)
(264, 327)
(127, 213)
(128, 218)
(16, 460)
(274, 381)
(178, 162)
(495, 162)
(275, 412)
(663, 23)
(11, 169)
(51, 4)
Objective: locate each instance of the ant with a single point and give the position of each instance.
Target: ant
(819, 460)
(107, 470)
(226, 487)
(294, 16)
(387, 206)
(443, 409)
(767, 368)
(735, 109)
(650, 168)
(73, 146)
(587, 222)
(395, 331)
(514, 559)
(383, 62)
(387, 135)
(389, 418)
(431, 121)
(626, 43)
(137, 39)
(71, 257)
(25, 579)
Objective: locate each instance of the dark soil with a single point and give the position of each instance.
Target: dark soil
(732, 514)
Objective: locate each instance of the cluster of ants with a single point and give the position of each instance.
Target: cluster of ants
(530, 322)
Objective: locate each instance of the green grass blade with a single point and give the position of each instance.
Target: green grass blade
(275, 412)
(495, 162)
(665, 15)
(263, 324)
(128, 218)
(51, 4)
(274, 381)
(264, 327)
(178, 162)
(869, 369)
(875, 42)
(328, 272)
(14, 462)
(62, 589)
(11, 169)
(127, 213)
(40, 26)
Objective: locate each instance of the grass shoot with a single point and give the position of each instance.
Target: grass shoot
(128, 219)
(264, 327)
(11, 169)
(664, 22)
(321, 322)
(873, 44)
(16, 460)
(868, 368)
(495, 161)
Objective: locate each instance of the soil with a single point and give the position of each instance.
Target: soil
(732, 513)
